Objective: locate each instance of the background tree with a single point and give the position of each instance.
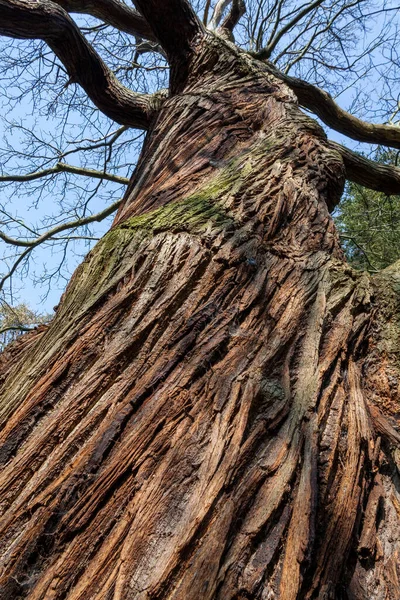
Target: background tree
(369, 223)
(213, 410)
(15, 320)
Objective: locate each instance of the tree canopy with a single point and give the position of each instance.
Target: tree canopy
(93, 74)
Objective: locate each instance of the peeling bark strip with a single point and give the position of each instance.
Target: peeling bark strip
(208, 414)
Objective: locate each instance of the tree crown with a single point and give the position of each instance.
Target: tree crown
(97, 73)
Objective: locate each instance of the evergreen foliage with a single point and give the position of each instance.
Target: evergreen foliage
(369, 222)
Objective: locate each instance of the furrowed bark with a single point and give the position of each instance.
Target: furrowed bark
(212, 412)
(45, 20)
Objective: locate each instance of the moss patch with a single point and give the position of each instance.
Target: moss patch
(107, 263)
(191, 214)
(199, 213)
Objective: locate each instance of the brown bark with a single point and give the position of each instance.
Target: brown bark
(174, 23)
(178, 29)
(212, 412)
(323, 105)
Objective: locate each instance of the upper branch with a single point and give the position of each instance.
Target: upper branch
(236, 12)
(277, 36)
(29, 245)
(322, 104)
(45, 20)
(369, 173)
(112, 12)
(177, 28)
(61, 167)
(218, 12)
(60, 228)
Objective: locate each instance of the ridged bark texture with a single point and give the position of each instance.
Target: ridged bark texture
(212, 412)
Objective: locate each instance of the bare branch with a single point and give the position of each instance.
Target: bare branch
(237, 11)
(322, 104)
(15, 266)
(45, 20)
(273, 42)
(29, 245)
(350, 238)
(218, 12)
(62, 227)
(369, 173)
(175, 25)
(112, 12)
(206, 11)
(16, 328)
(61, 167)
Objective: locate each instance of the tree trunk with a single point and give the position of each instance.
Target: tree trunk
(212, 412)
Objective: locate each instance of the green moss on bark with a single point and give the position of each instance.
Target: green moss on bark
(203, 212)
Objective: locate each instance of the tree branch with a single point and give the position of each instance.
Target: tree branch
(237, 11)
(218, 11)
(322, 104)
(16, 328)
(267, 51)
(45, 20)
(350, 238)
(61, 167)
(29, 245)
(176, 27)
(112, 12)
(62, 227)
(206, 11)
(369, 173)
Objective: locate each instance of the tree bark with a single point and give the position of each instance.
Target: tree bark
(212, 412)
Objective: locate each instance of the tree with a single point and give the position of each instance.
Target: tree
(369, 223)
(213, 411)
(63, 168)
(15, 320)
